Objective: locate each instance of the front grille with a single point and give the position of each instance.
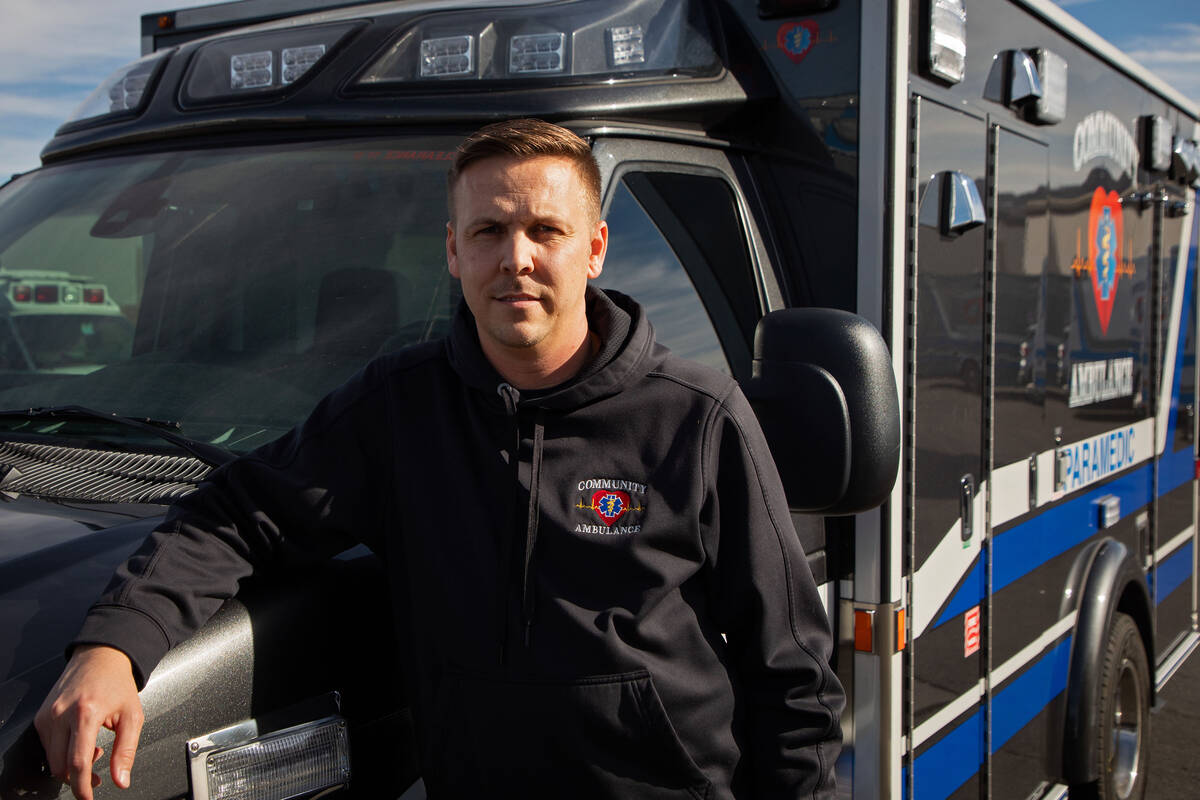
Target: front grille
(102, 476)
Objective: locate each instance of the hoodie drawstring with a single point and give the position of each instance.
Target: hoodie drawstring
(531, 524)
(511, 397)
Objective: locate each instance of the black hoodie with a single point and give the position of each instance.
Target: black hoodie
(601, 587)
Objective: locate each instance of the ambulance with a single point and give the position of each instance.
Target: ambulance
(948, 247)
(52, 321)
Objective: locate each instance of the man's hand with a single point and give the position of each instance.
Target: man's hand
(96, 688)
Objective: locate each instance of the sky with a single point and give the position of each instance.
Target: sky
(53, 53)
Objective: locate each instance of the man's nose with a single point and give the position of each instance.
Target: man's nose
(517, 257)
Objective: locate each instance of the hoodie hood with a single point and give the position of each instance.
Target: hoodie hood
(627, 349)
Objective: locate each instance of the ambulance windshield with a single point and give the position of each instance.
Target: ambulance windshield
(226, 289)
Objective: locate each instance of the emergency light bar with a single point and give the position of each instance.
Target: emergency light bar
(65, 293)
(259, 65)
(586, 40)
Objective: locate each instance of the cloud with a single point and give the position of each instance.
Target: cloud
(52, 55)
(68, 43)
(17, 103)
(1173, 54)
(20, 153)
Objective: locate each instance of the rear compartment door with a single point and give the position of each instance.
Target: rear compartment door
(946, 533)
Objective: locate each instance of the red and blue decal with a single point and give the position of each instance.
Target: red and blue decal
(796, 39)
(610, 505)
(1106, 235)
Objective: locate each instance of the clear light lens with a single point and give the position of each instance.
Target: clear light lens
(298, 60)
(536, 53)
(447, 55)
(627, 45)
(1161, 133)
(127, 93)
(948, 39)
(124, 90)
(251, 70)
(290, 763)
(1052, 69)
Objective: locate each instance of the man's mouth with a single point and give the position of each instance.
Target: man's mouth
(516, 298)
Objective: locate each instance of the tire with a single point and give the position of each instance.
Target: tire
(1121, 743)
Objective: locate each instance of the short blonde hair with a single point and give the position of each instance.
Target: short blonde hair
(528, 138)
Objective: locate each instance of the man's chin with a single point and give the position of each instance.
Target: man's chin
(516, 337)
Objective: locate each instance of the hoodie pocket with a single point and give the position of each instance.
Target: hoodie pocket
(598, 737)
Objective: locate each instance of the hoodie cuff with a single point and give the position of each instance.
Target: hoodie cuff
(133, 633)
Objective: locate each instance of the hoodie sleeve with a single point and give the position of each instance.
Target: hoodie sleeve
(298, 499)
(767, 604)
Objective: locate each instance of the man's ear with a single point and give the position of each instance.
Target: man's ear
(451, 251)
(599, 249)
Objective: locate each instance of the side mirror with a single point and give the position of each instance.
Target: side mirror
(824, 392)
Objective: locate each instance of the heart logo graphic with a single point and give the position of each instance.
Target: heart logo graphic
(1106, 236)
(795, 39)
(610, 505)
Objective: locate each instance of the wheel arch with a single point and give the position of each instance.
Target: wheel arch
(1113, 582)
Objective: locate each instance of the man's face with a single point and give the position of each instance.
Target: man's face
(524, 244)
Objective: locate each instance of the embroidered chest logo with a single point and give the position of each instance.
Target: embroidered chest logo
(611, 501)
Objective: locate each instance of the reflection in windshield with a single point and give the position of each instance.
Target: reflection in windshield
(57, 341)
(239, 286)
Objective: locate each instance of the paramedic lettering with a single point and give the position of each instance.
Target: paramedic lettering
(522, 625)
(1094, 459)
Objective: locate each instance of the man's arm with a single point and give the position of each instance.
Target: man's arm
(303, 497)
(767, 602)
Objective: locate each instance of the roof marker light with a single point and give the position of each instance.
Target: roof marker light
(251, 70)
(447, 55)
(536, 52)
(627, 45)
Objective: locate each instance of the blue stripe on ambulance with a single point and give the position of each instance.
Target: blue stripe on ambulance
(952, 760)
(958, 755)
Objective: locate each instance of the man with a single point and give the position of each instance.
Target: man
(585, 535)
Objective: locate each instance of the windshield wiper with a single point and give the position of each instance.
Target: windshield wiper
(210, 454)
